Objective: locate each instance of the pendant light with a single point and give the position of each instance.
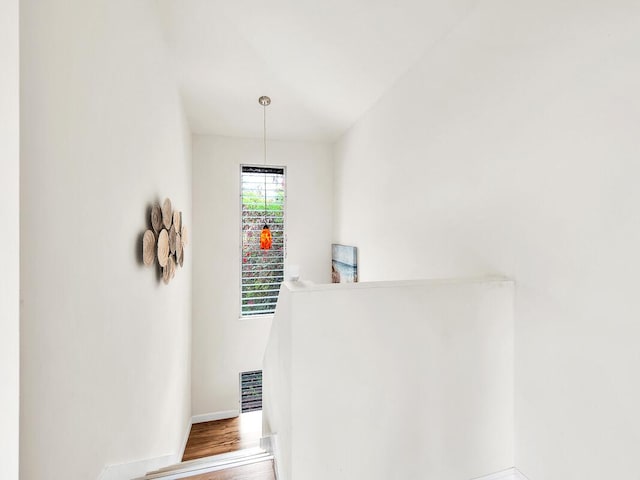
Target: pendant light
(266, 239)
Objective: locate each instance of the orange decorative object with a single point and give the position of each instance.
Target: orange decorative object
(265, 238)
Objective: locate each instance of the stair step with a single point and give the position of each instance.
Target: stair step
(222, 457)
(210, 464)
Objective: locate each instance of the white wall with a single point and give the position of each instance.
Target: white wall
(392, 380)
(9, 239)
(512, 147)
(105, 346)
(223, 345)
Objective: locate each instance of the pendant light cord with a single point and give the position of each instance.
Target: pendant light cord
(264, 121)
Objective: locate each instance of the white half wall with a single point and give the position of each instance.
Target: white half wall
(512, 147)
(392, 380)
(105, 351)
(9, 239)
(224, 345)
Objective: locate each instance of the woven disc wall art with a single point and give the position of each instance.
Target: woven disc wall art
(163, 248)
(172, 239)
(167, 214)
(148, 248)
(156, 218)
(163, 243)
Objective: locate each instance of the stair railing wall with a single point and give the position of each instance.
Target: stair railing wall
(391, 380)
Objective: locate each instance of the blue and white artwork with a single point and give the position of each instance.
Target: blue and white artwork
(344, 264)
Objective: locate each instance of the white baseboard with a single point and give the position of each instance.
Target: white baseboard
(270, 444)
(127, 471)
(508, 474)
(185, 439)
(139, 468)
(209, 417)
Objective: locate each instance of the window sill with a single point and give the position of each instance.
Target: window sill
(264, 316)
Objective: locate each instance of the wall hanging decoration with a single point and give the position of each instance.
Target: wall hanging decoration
(164, 242)
(266, 240)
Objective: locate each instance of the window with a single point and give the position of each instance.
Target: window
(250, 391)
(262, 197)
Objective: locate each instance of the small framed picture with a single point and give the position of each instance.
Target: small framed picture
(344, 264)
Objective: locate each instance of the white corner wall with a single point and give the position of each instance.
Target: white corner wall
(392, 380)
(512, 147)
(224, 345)
(10, 239)
(105, 346)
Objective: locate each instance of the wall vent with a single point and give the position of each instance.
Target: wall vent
(250, 391)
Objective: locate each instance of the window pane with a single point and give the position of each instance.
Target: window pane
(263, 197)
(250, 391)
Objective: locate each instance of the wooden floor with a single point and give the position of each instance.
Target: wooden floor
(223, 436)
(255, 471)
